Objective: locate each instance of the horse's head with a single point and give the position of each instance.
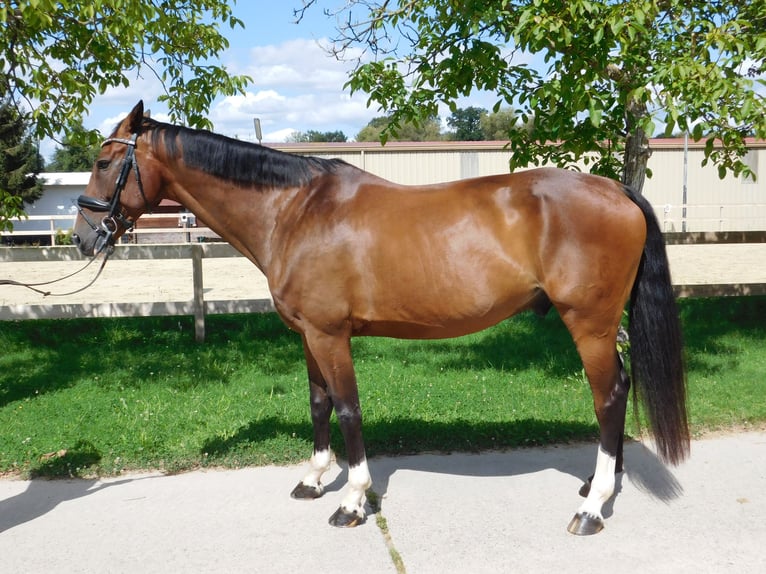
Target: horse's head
(124, 184)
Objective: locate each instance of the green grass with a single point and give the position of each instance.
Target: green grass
(85, 397)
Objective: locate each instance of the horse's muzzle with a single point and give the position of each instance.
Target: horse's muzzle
(100, 239)
(86, 245)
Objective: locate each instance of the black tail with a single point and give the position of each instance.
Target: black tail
(656, 345)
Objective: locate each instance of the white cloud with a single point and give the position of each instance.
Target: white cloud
(299, 87)
(321, 111)
(144, 86)
(278, 136)
(108, 124)
(297, 64)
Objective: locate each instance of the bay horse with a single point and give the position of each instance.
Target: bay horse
(347, 253)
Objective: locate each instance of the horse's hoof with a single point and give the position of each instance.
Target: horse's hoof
(345, 519)
(303, 492)
(584, 524)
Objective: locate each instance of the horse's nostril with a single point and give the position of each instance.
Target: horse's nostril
(76, 240)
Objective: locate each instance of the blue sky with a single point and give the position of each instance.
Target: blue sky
(296, 85)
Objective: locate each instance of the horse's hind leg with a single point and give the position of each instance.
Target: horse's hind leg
(609, 385)
(625, 385)
(321, 409)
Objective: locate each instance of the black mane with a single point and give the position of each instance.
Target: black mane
(233, 160)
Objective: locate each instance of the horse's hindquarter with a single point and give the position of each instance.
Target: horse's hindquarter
(593, 241)
(596, 236)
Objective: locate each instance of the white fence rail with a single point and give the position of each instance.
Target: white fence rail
(711, 217)
(54, 225)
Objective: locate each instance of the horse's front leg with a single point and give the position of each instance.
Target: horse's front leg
(332, 355)
(321, 408)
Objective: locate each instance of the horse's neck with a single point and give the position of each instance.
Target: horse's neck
(245, 217)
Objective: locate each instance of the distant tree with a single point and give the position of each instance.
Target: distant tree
(383, 129)
(20, 162)
(76, 153)
(313, 136)
(497, 125)
(466, 124)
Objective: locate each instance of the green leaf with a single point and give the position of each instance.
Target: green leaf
(595, 113)
(598, 35)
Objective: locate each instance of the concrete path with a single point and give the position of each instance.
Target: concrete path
(441, 514)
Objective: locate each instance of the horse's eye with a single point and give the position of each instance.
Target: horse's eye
(103, 164)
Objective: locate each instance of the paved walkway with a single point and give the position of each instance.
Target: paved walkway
(237, 278)
(462, 513)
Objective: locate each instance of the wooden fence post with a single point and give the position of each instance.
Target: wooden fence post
(199, 299)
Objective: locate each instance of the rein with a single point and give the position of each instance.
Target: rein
(34, 286)
(108, 225)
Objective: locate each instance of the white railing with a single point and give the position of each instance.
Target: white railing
(713, 217)
(197, 306)
(58, 224)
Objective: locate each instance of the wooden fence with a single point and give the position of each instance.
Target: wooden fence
(717, 237)
(199, 308)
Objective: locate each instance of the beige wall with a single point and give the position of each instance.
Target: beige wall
(713, 204)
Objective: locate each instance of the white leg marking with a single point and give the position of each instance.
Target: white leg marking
(320, 463)
(602, 486)
(359, 481)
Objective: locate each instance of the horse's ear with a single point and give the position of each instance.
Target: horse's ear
(135, 116)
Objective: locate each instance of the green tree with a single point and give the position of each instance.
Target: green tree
(497, 125)
(316, 136)
(384, 128)
(466, 123)
(20, 162)
(76, 153)
(57, 56)
(612, 72)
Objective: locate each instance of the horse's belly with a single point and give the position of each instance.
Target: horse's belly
(451, 313)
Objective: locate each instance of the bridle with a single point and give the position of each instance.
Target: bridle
(114, 214)
(109, 224)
